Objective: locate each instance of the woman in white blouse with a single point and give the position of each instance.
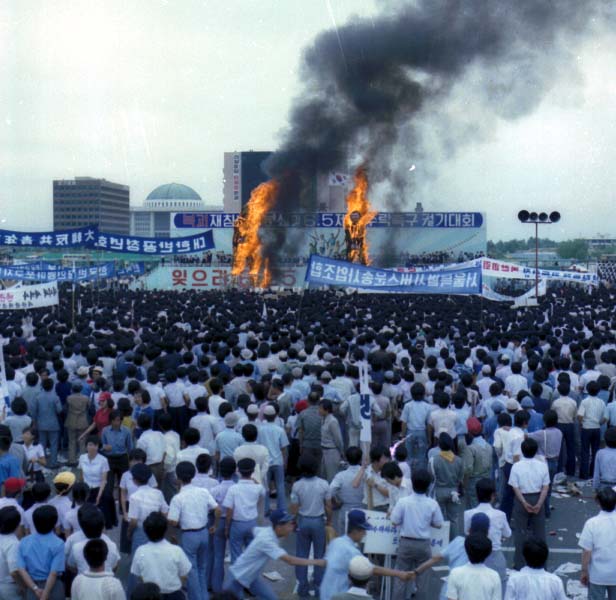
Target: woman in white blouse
(94, 469)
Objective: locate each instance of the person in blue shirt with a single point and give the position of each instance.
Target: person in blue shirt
(341, 550)
(535, 422)
(40, 557)
(246, 570)
(9, 465)
(536, 391)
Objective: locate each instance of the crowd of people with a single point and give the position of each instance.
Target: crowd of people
(440, 257)
(197, 436)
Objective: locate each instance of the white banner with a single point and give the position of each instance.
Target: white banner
(365, 435)
(498, 268)
(489, 294)
(383, 538)
(29, 296)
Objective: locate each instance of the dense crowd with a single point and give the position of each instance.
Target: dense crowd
(182, 430)
(606, 269)
(440, 257)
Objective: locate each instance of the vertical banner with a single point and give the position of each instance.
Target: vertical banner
(4, 390)
(365, 435)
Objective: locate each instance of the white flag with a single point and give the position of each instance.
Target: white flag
(264, 312)
(336, 178)
(365, 435)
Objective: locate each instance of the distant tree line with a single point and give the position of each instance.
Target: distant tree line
(576, 249)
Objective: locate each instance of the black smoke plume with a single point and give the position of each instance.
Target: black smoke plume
(367, 82)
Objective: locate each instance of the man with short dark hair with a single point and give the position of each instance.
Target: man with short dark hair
(530, 481)
(533, 582)
(475, 581)
(96, 583)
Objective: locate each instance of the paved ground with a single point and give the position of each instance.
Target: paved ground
(567, 520)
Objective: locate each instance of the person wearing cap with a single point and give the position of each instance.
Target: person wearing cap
(530, 481)
(144, 501)
(45, 412)
(228, 439)
(478, 460)
(189, 510)
(257, 452)
(340, 552)
(274, 438)
(499, 530)
(414, 515)
(241, 507)
(10, 519)
(13, 487)
(361, 571)
(63, 482)
(311, 503)
(245, 571)
(76, 421)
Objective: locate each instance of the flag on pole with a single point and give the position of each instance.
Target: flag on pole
(4, 388)
(264, 312)
(336, 178)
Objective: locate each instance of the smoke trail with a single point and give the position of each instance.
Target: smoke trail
(358, 103)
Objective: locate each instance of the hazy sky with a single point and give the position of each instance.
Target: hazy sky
(145, 92)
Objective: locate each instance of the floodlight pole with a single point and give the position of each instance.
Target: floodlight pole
(537, 261)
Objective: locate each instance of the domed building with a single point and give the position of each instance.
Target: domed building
(155, 217)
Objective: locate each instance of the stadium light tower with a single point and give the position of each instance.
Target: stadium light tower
(536, 219)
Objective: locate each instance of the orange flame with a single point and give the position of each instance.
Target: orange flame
(247, 246)
(358, 216)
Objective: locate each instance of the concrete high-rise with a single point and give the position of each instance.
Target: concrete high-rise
(89, 201)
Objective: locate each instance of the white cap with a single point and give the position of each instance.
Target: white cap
(269, 410)
(361, 568)
(486, 369)
(246, 354)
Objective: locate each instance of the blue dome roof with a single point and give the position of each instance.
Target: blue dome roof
(173, 191)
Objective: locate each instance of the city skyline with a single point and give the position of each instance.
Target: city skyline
(146, 93)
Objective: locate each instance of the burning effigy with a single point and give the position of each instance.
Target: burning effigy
(358, 216)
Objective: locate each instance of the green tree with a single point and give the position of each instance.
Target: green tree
(575, 249)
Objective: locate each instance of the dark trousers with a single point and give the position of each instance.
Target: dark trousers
(506, 504)
(567, 449)
(552, 469)
(179, 416)
(118, 465)
(590, 438)
(107, 506)
(525, 523)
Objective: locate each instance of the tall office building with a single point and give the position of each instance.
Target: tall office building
(88, 201)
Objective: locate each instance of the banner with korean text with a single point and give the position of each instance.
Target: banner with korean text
(29, 296)
(326, 271)
(84, 236)
(49, 273)
(498, 268)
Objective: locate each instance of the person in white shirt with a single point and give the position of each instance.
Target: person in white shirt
(499, 528)
(143, 502)
(153, 444)
(192, 450)
(92, 525)
(215, 400)
(591, 416)
(475, 581)
(160, 562)
(10, 518)
(414, 515)
(516, 382)
(172, 449)
(512, 453)
(177, 398)
(530, 481)
(533, 582)
(257, 452)
(96, 583)
(205, 424)
(242, 508)
(194, 390)
(189, 510)
(598, 540)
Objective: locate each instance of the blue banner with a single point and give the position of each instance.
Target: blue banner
(142, 245)
(94, 273)
(90, 237)
(85, 236)
(326, 271)
(428, 220)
